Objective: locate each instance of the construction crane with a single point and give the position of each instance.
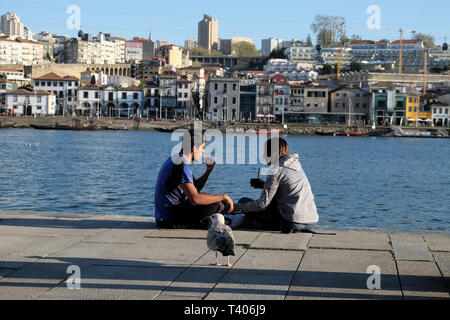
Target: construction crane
(425, 60)
(400, 55)
(339, 53)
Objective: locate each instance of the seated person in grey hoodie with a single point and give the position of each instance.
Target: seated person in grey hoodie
(286, 202)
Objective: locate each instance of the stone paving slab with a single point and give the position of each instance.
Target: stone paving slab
(41, 248)
(196, 281)
(421, 279)
(256, 285)
(13, 243)
(438, 242)
(410, 247)
(32, 280)
(276, 240)
(240, 236)
(342, 274)
(187, 250)
(117, 283)
(443, 262)
(352, 240)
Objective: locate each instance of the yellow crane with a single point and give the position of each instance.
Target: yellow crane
(400, 55)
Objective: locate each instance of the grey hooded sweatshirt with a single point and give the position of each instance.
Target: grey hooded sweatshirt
(289, 185)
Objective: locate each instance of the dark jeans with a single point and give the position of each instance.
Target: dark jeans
(270, 219)
(187, 216)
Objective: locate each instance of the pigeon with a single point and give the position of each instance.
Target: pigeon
(220, 238)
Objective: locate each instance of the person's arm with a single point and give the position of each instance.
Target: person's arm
(202, 199)
(267, 195)
(201, 182)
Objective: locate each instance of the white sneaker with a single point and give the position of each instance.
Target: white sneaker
(237, 220)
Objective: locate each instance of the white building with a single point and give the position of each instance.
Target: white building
(105, 49)
(110, 101)
(11, 25)
(439, 115)
(223, 99)
(64, 89)
(268, 45)
(184, 97)
(12, 74)
(21, 51)
(30, 103)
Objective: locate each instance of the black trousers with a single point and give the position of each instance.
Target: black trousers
(270, 219)
(187, 216)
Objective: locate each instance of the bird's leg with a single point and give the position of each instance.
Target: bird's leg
(228, 261)
(217, 259)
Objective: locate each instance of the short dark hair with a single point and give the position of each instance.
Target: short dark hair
(192, 138)
(283, 147)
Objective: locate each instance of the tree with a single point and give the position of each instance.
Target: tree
(278, 54)
(309, 41)
(328, 69)
(428, 40)
(244, 49)
(327, 30)
(356, 66)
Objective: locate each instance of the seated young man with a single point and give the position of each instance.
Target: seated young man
(178, 201)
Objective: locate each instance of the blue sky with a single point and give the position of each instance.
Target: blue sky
(177, 20)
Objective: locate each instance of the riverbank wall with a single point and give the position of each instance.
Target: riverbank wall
(150, 125)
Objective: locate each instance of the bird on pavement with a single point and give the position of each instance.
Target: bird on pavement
(220, 238)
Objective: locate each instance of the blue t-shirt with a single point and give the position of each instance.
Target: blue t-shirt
(168, 192)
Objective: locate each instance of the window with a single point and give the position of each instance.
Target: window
(135, 95)
(357, 105)
(415, 109)
(446, 110)
(215, 100)
(410, 109)
(42, 84)
(15, 98)
(96, 95)
(234, 100)
(225, 88)
(216, 86)
(39, 107)
(124, 95)
(49, 84)
(85, 94)
(39, 99)
(185, 95)
(61, 84)
(440, 110)
(434, 110)
(180, 95)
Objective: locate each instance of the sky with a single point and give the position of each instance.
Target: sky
(177, 20)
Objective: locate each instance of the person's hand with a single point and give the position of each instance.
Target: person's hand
(229, 203)
(257, 183)
(210, 163)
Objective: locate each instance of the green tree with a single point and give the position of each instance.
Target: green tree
(309, 41)
(244, 49)
(356, 66)
(428, 40)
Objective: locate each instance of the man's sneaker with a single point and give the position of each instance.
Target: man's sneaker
(237, 220)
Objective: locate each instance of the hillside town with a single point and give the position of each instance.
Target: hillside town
(401, 83)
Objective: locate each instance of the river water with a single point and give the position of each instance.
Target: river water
(381, 183)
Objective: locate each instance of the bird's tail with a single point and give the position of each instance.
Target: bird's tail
(228, 252)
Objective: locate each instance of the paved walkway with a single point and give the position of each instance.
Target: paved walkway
(130, 258)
